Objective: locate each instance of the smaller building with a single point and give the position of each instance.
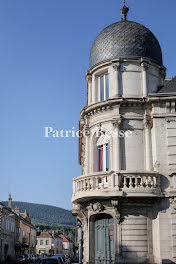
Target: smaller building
(67, 245)
(49, 243)
(25, 232)
(7, 233)
(17, 233)
(26, 235)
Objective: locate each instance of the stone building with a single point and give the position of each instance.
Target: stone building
(67, 246)
(26, 236)
(7, 233)
(25, 232)
(125, 200)
(49, 243)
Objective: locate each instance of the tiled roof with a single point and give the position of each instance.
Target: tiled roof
(64, 238)
(45, 235)
(169, 87)
(24, 220)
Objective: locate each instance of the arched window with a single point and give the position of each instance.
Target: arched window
(103, 153)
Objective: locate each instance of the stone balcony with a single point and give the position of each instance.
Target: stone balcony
(116, 184)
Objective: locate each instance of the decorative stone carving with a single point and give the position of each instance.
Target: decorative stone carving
(156, 165)
(148, 123)
(86, 130)
(89, 78)
(97, 207)
(77, 207)
(173, 205)
(116, 66)
(145, 65)
(117, 122)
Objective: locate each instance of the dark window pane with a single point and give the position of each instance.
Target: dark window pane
(107, 85)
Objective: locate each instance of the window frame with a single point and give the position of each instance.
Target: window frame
(105, 165)
(105, 94)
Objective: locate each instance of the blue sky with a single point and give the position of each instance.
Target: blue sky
(44, 54)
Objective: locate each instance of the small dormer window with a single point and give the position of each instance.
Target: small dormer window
(103, 82)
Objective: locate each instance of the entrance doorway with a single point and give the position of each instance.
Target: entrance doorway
(104, 239)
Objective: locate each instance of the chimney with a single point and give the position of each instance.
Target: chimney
(17, 211)
(53, 233)
(10, 202)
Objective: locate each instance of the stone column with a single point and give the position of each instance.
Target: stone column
(116, 146)
(117, 235)
(148, 147)
(115, 79)
(144, 78)
(89, 82)
(93, 89)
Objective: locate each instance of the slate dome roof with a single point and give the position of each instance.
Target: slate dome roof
(125, 39)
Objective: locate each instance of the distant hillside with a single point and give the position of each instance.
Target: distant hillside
(46, 214)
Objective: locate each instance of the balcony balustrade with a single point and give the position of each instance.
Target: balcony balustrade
(113, 184)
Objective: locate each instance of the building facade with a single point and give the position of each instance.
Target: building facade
(50, 244)
(17, 233)
(125, 200)
(67, 246)
(7, 233)
(26, 236)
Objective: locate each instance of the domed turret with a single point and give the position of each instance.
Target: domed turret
(125, 39)
(125, 61)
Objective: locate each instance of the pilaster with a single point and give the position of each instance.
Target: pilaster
(115, 80)
(148, 144)
(144, 66)
(116, 146)
(89, 82)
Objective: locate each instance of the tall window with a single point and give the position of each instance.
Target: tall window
(103, 87)
(103, 156)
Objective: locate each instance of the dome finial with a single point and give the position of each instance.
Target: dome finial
(124, 11)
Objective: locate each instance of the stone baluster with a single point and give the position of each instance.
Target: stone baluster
(130, 182)
(124, 181)
(150, 181)
(97, 182)
(154, 181)
(146, 181)
(113, 180)
(85, 185)
(102, 182)
(79, 186)
(94, 183)
(135, 181)
(89, 184)
(141, 183)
